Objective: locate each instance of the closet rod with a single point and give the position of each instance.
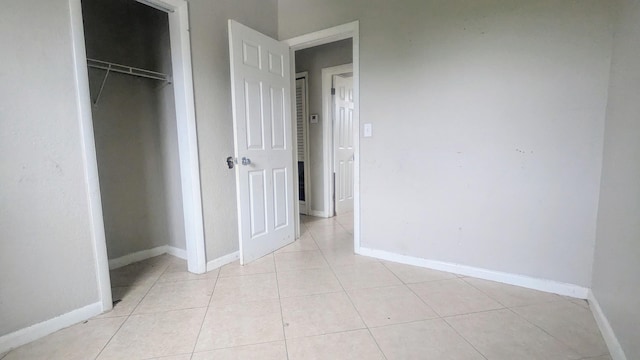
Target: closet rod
(109, 66)
(123, 69)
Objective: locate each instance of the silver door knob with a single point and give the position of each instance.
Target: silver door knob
(246, 161)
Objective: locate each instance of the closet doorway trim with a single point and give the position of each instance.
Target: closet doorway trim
(177, 11)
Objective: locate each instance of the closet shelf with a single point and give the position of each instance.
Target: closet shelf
(104, 65)
(123, 69)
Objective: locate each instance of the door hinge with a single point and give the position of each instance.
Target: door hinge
(333, 91)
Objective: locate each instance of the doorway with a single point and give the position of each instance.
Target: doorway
(182, 79)
(349, 32)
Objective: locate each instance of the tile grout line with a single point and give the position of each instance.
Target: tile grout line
(435, 312)
(484, 292)
(205, 315)
(464, 338)
(412, 291)
(520, 316)
(352, 304)
(284, 334)
(227, 347)
(546, 332)
(131, 313)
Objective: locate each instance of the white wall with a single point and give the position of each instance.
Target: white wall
(488, 121)
(210, 58)
(616, 271)
(135, 127)
(313, 60)
(47, 266)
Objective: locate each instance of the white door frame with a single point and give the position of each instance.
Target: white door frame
(307, 165)
(177, 11)
(327, 139)
(340, 32)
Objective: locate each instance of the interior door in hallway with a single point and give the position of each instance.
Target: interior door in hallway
(261, 88)
(343, 150)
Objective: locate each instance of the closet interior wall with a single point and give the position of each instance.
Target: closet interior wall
(134, 127)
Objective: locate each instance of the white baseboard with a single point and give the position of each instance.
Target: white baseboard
(615, 349)
(318, 213)
(34, 332)
(223, 260)
(146, 254)
(550, 286)
(137, 256)
(177, 252)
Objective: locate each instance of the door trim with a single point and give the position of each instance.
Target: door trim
(328, 129)
(177, 11)
(90, 162)
(340, 32)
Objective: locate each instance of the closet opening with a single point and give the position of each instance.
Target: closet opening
(134, 122)
(133, 66)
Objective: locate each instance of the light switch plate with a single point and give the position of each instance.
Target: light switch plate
(314, 118)
(368, 130)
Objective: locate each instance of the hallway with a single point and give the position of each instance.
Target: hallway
(314, 299)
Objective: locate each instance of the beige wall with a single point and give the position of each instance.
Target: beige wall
(135, 127)
(210, 58)
(47, 265)
(313, 60)
(488, 119)
(616, 271)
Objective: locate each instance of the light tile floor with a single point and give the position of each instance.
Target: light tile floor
(315, 299)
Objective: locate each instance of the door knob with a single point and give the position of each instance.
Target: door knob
(246, 161)
(230, 162)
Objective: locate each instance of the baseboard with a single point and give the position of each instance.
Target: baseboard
(318, 213)
(223, 260)
(34, 332)
(177, 252)
(615, 349)
(137, 256)
(550, 286)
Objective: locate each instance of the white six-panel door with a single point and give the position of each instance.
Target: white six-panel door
(261, 88)
(343, 143)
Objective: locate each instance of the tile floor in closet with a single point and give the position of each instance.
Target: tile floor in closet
(314, 299)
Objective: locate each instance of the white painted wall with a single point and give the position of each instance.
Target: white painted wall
(488, 119)
(210, 58)
(47, 266)
(313, 60)
(135, 128)
(616, 271)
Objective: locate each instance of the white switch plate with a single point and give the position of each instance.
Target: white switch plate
(368, 130)
(314, 118)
